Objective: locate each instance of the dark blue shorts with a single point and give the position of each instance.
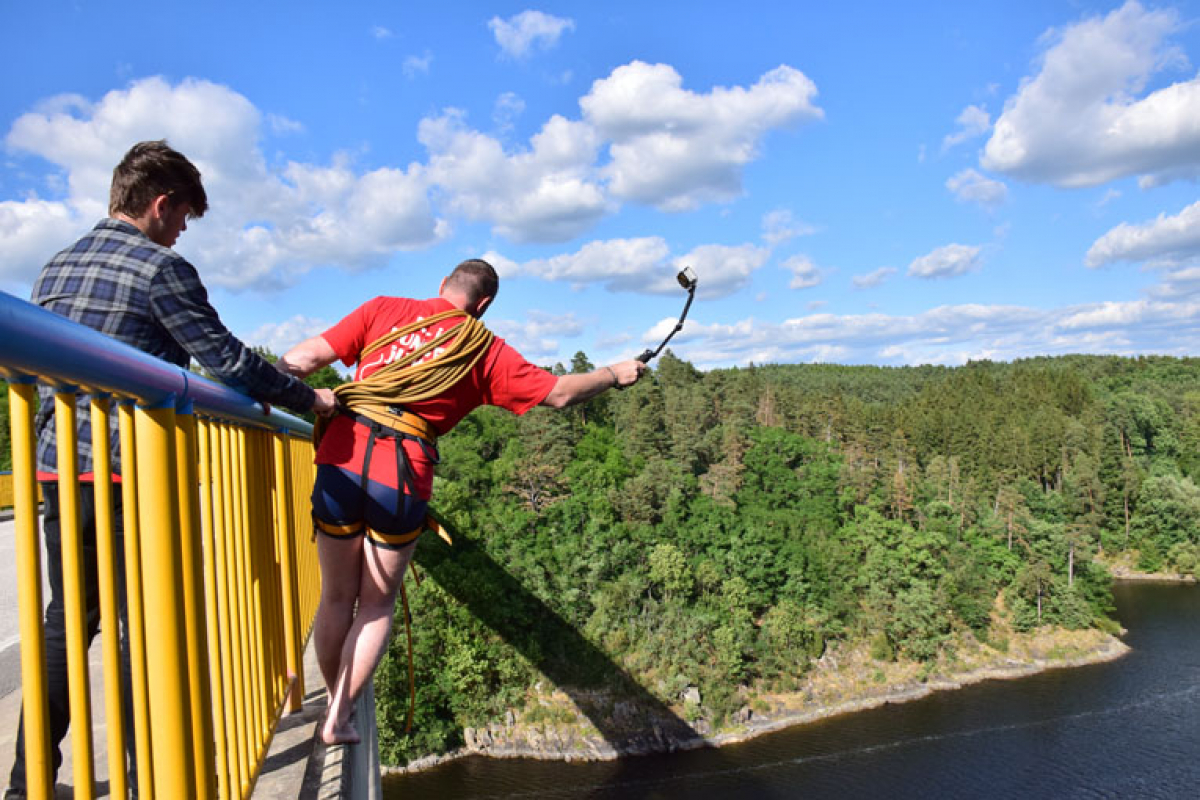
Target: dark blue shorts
(342, 510)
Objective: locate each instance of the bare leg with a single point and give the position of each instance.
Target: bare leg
(341, 568)
(367, 639)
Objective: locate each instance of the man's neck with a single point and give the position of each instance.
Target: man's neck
(140, 224)
(456, 300)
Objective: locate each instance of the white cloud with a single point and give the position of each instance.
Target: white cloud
(805, 274)
(1105, 315)
(380, 32)
(946, 262)
(973, 121)
(854, 337)
(780, 225)
(415, 66)
(281, 125)
(508, 107)
(944, 335)
(519, 35)
(721, 270)
(505, 267)
(279, 337)
(267, 226)
(1136, 318)
(263, 228)
(872, 279)
(969, 186)
(622, 265)
(537, 338)
(660, 330)
(1086, 118)
(674, 148)
(1178, 283)
(544, 193)
(645, 265)
(32, 231)
(1165, 240)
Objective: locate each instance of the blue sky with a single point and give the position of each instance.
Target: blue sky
(855, 183)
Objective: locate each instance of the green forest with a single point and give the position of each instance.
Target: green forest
(720, 529)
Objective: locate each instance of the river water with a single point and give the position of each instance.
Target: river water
(1124, 729)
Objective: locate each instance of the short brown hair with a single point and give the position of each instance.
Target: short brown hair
(151, 169)
(475, 278)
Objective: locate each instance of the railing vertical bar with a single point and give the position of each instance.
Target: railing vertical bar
(35, 706)
(195, 621)
(283, 498)
(238, 778)
(300, 530)
(135, 603)
(71, 539)
(234, 539)
(305, 548)
(272, 636)
(254, 585)
(109, 612)
(166, 638)
(276, 637)
(262, 533)
(204, 447)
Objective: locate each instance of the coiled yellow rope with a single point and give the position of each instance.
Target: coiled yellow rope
(407, 381)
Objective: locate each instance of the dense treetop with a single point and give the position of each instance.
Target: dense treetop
(718, 529)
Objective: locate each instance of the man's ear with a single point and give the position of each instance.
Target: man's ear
(160, 206)
(482, 306)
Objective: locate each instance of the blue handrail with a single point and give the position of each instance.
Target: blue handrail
(39, 343)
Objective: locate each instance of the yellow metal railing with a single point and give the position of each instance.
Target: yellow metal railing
(221, 581)
(6, 491)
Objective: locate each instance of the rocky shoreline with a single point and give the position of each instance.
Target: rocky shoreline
(1120, 573)
(1122, 568)
(843, 681)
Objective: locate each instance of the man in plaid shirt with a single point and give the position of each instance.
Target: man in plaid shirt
(123, 279)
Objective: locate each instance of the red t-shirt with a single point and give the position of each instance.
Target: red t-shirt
(502, 377)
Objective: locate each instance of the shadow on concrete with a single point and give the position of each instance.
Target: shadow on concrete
(295, 754)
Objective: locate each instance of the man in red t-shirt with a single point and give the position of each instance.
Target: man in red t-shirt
(369, 493)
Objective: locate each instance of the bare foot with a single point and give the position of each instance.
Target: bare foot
(338, 734)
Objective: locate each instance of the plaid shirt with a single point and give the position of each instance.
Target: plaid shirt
(120, 283)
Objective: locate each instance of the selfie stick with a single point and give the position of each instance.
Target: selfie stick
(687, 279)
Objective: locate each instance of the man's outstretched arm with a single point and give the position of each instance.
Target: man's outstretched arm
(572, 389)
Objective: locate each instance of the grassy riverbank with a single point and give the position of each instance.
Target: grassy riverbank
(844, 680)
